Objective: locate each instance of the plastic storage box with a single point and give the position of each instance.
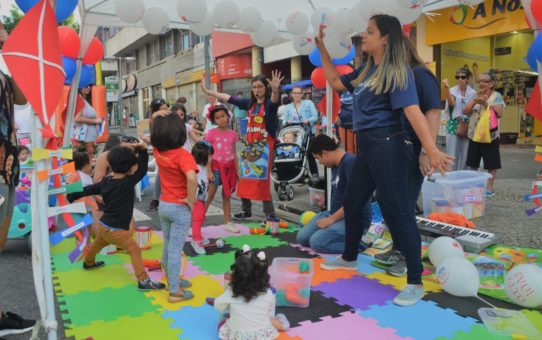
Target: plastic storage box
(291, 277)
(317, 194)
(461, 192)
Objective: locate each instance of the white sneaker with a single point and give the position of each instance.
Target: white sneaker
(409, 295)
(198, 248)
(231, 227)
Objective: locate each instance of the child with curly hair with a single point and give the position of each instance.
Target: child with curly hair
(250, 300)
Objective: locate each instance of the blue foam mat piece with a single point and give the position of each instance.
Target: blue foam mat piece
(414, 321)
(195, 322)
(365, 267)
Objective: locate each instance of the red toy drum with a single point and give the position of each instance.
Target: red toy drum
(143, 237)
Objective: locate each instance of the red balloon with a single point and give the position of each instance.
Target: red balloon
(536, 10)
(318, 78)
(343, 69)
(94, 53)
(69, 42)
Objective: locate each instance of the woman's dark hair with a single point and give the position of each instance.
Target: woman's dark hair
(464, 71)
(21, 148)
(178, 107)
(249, 276)
(322, 143)
(201, 151)
(80, 159)
(265, 83)
(168, 132)
(215, 109)
(112, 141)
(156, 103)
(88, 96)
(121, 159)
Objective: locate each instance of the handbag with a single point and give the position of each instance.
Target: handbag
(462, 129)
(482, 132)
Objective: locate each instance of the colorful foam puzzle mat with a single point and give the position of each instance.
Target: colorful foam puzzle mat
(104, 304)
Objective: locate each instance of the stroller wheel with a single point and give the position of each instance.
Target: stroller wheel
(283, 195)
(290, 192)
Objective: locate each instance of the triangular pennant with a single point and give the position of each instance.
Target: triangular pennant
(534, 105)
(32, 48)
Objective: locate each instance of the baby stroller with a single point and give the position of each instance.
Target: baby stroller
(290, 165)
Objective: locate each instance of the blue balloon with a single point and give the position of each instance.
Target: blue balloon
(346, 59)
(537, 47)
(69, 67)
(531, 58)
(88, 76)
(64, 8)
(315, 58)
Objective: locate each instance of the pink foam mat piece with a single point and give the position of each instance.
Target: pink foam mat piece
(351, 325)
(155, 275)
(192, 271)
(217, 231)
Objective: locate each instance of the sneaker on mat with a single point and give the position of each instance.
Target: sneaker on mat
(231, 227)
(153, 205)
(399, 269)
(339, 263)
(283, 320)
(96, 265)
(149, 284)
(198, 248)
(409, 295)
(390, 257)
(184, 283)
(242, 215)
(11, 323)
(180, 296)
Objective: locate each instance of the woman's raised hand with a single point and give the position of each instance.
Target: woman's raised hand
(203, 85)
(276, 79)
(319, 39)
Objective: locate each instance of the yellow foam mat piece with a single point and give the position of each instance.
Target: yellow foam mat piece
(203, 286)
(399, 282)
(148, 326)
(79, 280)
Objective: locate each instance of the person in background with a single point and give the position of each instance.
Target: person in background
(211, 101)
(457, 97)
(303, 111)
(23, 153)
(10, 94)
(489, 152)
(344, 122)
(238, 115)
(86, 125)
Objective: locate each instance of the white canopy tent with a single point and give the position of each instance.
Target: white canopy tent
(102, 13)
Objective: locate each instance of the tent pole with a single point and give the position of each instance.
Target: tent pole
(206, 44)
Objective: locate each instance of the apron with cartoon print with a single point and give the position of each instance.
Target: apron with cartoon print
(256, 159)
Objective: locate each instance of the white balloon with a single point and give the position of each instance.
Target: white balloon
(226, 14)
(411, 3)
(130, 11)
(442, 248)
(249, 20)
(191, 10)
(342, 23)
(337, 44)
(204, 27)
(368, 8)
(155, 20)
(470, 2)
(458, 276)
(407, 15)
(304, 44)
(297, 23)
(321, 16)
(265, 34)
(523, 285)
(356, 21)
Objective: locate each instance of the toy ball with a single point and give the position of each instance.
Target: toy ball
(219, 243)
(442, 248)
(306, 217)
(522, 285)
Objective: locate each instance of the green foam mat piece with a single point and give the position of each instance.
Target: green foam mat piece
(215, 264)
(61, 262)
(109, 276)
(65, 246)
(535, 317)
(106, 305)
(254, 241)
(477, 332)
(146, 326)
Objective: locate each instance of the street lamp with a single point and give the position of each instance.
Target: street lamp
(119, 72)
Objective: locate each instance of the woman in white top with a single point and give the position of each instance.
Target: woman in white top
(457, 97)
(250, 301)
(193, 135)
(87, 125)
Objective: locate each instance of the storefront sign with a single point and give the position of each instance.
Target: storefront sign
(234, 66)
(112, 88)
(462, 22)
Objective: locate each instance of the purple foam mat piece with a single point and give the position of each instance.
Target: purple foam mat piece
(217, 231)
(358, 292)
(351, 326)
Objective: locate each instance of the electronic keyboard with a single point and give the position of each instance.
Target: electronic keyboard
(472, 240)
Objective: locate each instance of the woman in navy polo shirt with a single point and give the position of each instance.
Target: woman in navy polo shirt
(384, 89)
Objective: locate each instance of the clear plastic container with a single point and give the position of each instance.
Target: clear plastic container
(461, 192)
(291, 277)
(317, 197)
(508, 323)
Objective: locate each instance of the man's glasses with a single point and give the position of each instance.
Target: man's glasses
(460, 77)
(297, 93)
(484, 81)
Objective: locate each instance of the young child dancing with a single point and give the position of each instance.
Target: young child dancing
(250, 300)
(117, 190)
(224, 164)
(202, 152)
(177, 170)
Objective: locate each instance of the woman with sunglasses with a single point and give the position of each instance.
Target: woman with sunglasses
(457, 98)
(87, 125)
(384, 90)
(489, 152)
